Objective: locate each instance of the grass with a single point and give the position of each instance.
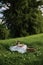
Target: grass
(29, 58)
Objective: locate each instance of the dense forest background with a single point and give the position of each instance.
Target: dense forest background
(21, 18)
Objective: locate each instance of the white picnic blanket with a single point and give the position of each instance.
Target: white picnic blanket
(22, 49)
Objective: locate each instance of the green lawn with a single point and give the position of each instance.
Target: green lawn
(30, 58)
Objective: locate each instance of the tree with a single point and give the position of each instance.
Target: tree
(22, 17)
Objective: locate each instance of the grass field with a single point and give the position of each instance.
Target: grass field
(29, 58)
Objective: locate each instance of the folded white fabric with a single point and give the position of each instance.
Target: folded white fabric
(22, 49)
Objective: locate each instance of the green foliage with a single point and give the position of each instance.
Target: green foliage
(22, 17)
(14, 58)
(4, 32)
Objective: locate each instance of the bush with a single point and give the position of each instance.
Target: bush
(4, 32)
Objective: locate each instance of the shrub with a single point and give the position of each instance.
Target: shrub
(4, 32)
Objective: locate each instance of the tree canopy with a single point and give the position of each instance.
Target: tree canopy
(23, 17)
